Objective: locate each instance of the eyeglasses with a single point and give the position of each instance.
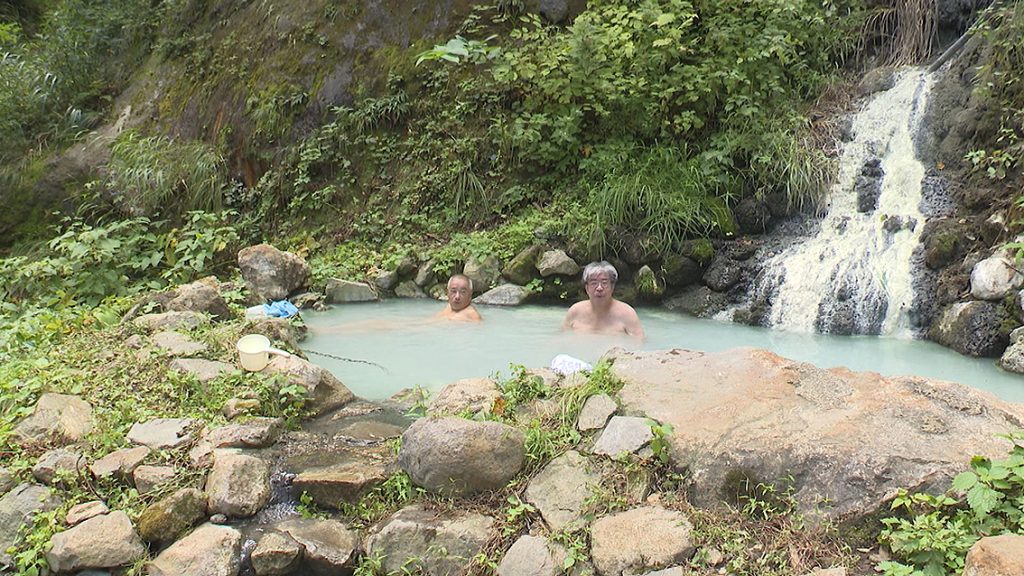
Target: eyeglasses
(462, 291)
(601, 283)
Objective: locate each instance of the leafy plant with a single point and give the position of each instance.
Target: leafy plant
(660, 444)
(459, 49)
(515, 513)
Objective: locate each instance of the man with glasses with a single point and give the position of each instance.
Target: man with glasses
(601, 312)
(460, 300)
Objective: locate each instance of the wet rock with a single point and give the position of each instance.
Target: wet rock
(699, 301)
(238, 485)
(255, 433)
(996, 556)
(723, 274)
(752, 215)
(532, 556)
(640, 539)
(877, 79)
(345, 291)
(17, 509)
(149, 478)
(324, 391)
(308, 301)
(161, 433)
(473, 395)
(995, 278)
(332, 485)
(624, 434)
(81, 512)
(58, 463)
(595, 413)
(106, 541)
(523, 268)
(435, 543)
(329, 547)
(200, 296)
(460, 457)
(943, 241)
(172, 516)
(409, 289)
(120, 463)
(679, 271)
(177, 344)
(560, 490)
(276, 554)
(271, 274)
(209, 550)
(171, 321)
(972, 328)
(55, 417)
(869, 185)
(203, 370)
(557, 262)
(484, 273)
(504, 295)
(747, 415)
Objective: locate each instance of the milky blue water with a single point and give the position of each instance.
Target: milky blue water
(413, 349)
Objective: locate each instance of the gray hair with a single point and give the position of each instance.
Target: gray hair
(595, 268)
(462, 277)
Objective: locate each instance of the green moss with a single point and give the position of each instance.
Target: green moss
(701, 250)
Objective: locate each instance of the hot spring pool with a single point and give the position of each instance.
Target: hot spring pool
(412, 349)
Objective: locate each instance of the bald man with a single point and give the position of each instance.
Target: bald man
(460, 300)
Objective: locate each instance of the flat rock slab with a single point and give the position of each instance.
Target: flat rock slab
(203, 370)
(171, 321)
(595, 413)
(17, 508)
(254, 433)
(470, 394)
(329, 547)
(504, 295)
(750, 415)
(624, 434)
(162, 432)
(639, 540)
(561, 488)
(106, 541)
(430, 542)
(209, 550)
(341, 482)
(55, 417)
(120, 463)
(532, 556)
(177, 344)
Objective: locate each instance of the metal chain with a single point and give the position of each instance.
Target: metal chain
(343, 359)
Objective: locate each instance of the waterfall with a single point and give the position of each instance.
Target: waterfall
(855, 276)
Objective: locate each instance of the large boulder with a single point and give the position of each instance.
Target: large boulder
(270, 273)
(678, 270)
(473, 395)
(324, 391)
(557, 262)
(17, 509)
(994, 278)
(746, 416)
(523, 268)
(430, 542)
(972, 328)
(996, 556)
(639, 540)
(209, 550)
(239, 485)
(504, 295)
(461, 457)
(200, 296)
(484, 272)
(275, 554)
(343, 291)
(106, 541)
(55, 417)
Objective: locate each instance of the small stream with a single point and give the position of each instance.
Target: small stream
(413, 349)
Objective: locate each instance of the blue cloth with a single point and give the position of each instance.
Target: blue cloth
(280, 309)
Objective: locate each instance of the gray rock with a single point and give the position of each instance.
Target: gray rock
(461, 457)
(177, 344)
(595, 412)
(324, 391)
(750, 416)
(276, 554)
(238, 485)
(161, 433)
(254, 433)
(172, 516)
(277, 329)
(106, 541)
(561, 489)
(624, 434)
(271, 274)
(679, 270)
(673, 571)
(972, 328)
(7, 480)
(1012, 359)
(81, 512)
(386, 281)
(203, 370)
(425, 274)
(435, 544)
(200, 296)
(120, 463)
(308, 301)
(877, 79)
(699, 301)
(236, 407)
(504, 295)
(209, 550)
(557, 262)
(409, 289)
(995, 278)
(996, 556)
(473, 395)
(17, 508)
(521, 269)
(827, 572)
(149, 478)
(338, 483)
(344, 291)
(722, 274)
(55, 463)
(618, 545)
(55, 417)
(329, 547)
(171, 321)
(483, 272)
(532, 556)
(555, 11)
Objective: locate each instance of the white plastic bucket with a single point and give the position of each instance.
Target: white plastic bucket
(254, 352)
